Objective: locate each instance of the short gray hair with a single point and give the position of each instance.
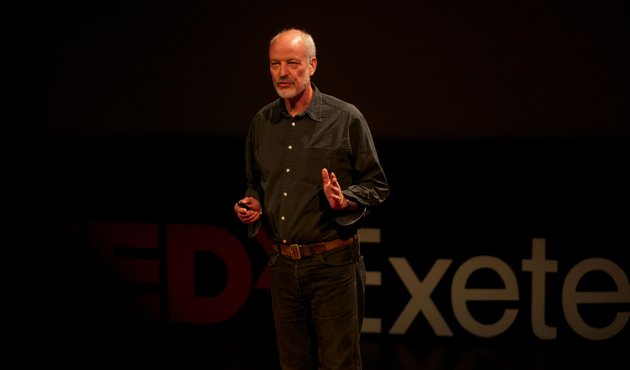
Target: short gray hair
(311, 51)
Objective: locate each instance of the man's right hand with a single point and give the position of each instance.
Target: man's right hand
(248, 210)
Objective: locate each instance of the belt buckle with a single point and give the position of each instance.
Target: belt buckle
(294, 250)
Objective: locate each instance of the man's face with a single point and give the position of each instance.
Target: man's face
(290, 68)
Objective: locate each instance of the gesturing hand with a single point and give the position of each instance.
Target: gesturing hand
(332, 189)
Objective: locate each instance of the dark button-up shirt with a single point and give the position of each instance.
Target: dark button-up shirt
(284, 159)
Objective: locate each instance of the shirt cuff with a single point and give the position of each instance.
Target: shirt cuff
(350, 218)
(252, 229)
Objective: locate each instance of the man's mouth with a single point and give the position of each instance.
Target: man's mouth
(283, 83)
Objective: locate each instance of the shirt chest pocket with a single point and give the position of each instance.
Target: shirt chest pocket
(314, 158)
(311, 162)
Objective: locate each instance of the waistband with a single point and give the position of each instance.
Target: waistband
(298, 251)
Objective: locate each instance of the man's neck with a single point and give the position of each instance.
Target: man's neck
(299, 103)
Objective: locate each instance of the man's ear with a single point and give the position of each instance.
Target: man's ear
(313, 66)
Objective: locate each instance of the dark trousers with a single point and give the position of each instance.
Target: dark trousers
(318, 306)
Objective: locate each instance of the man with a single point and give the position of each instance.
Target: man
(312, 173)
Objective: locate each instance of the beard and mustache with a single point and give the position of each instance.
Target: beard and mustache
(291, 92)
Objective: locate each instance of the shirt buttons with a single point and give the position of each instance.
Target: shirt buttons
(290, 147)
(288, 170)
(285, 194)
(282, 218)
(292, 123)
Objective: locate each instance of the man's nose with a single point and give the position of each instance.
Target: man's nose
(284, 70)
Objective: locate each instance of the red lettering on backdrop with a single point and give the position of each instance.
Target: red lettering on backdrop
(183, 305)
(106, 237)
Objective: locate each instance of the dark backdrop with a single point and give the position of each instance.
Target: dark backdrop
(417, 69)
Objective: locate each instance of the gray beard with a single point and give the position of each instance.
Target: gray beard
(288, 94)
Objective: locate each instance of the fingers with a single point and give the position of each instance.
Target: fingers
(248, 203)
(332, 189)
(335, 188)
(325, 177)
(333, 179)
(329, 179)
(248, 210)
(248, 216)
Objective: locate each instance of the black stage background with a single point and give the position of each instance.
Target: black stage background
(137, 243)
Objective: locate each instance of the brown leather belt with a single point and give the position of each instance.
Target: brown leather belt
(298, 251)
